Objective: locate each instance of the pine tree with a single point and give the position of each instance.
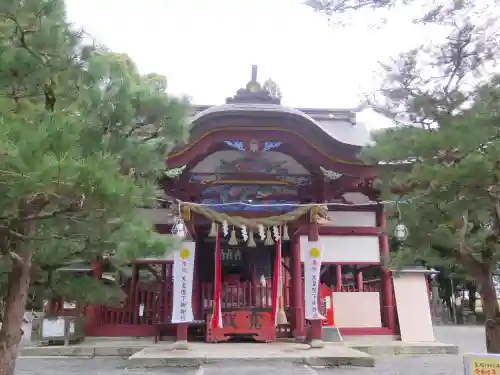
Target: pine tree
(436, 11)
(443, 158)
(82, 139)
(448, 157)
(447, 13)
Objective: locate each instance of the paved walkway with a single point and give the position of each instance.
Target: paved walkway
(236, 353)
(469, 339)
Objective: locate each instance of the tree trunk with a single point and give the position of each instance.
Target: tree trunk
(490, 309)
(15, 302)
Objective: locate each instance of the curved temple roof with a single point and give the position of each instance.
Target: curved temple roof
(340, 125)
(331, 131)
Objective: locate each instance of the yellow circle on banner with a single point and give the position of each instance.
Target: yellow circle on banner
(184, 254)
(314, 252)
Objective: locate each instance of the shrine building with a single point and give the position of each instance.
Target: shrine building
(260, 187)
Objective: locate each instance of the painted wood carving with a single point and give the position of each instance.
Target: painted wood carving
(256, 194)
(248, 164)
(258, 325)
(209, 178)
(251, 162)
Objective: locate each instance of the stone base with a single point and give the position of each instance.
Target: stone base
(405, 348)
(317, 344)
(181, 345)
(237, 353)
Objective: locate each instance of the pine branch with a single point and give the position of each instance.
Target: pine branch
(16, 258)
(49, 215)
(135, 127)
(152, 136)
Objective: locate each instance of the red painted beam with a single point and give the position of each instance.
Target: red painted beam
(343, 231)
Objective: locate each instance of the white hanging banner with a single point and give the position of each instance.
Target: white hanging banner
(183, 283)
(312, 269)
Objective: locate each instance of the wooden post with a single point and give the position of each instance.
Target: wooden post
(298, 321)
(316, 325)
(93, 311)
(387, 298)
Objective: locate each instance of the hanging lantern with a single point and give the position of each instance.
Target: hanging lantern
(401, 232)
(179, 228)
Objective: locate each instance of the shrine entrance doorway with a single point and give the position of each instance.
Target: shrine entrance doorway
(246, 290)
(246, 277)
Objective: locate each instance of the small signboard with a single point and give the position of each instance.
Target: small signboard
(482, 364)
(53, 327)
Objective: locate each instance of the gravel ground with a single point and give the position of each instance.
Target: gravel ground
(469, 339)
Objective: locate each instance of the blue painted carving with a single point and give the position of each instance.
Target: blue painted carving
(282, 206)
(238, 145)
(243, 193)
(268, 145)
(256, 194)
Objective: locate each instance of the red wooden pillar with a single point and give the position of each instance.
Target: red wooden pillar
(316, 325)
(298, 322)
(93, 312)
(387, 298)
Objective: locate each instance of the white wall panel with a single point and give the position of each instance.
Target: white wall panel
(357, 310)
(346, 249)
(351, 219)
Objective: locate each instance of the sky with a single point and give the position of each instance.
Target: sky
(206, 48)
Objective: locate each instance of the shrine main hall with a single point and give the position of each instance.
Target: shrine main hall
(282, 233)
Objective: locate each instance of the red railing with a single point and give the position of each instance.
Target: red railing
(367, 287)
(241, 295)
(145, 302)
(142, 307)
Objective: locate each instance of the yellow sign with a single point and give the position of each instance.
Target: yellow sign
(314, 253)
(184, 254)
(482, 364)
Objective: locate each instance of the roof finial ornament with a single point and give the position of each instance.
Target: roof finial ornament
(254, 85)
(253, 92)
(254, 73)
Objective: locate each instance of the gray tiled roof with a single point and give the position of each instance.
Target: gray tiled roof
(338, 124)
